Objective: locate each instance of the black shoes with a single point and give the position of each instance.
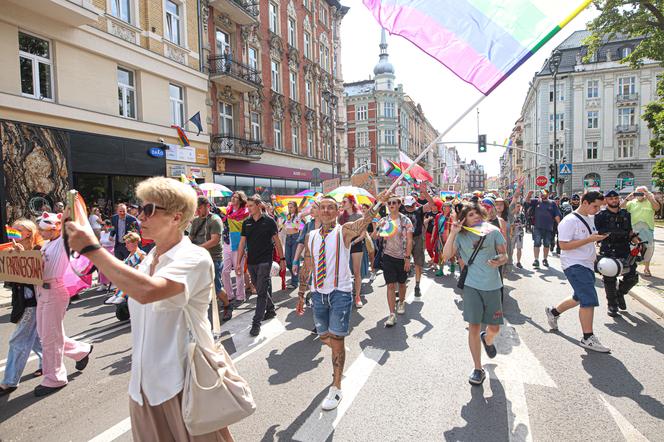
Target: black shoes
(477, 377)
(6, 391)
(41, 390)
(518, 264)
(612, 311)
(80, 365)
(255, 330)
(536, 264)
(269, 315)
(228, 313)
(490, 349)
(621, 302)
(418, 293)
(545, 263)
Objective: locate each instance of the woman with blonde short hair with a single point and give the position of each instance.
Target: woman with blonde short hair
(175, 279)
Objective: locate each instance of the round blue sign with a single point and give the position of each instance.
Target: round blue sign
(156, 152)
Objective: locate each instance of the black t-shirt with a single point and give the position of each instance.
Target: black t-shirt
(259, 238)
(416, 217)
(431, 215)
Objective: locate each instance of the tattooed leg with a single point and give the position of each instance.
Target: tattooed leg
(338, 358)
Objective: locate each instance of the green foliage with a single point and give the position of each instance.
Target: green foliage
(658, 174)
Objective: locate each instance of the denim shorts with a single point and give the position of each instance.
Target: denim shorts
(541, 236)
(582, 280)
(332, 312)
(218, 267)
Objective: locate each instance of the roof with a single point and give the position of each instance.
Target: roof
(359, 88)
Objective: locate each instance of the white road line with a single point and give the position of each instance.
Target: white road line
(114, 432)
(629, 432)
(425, 283)
(320, 424)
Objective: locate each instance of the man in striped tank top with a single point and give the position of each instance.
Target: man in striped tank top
(326, 260)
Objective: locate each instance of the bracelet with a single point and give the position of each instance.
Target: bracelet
(89, 248)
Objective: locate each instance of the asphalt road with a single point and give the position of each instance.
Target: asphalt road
(404, 383)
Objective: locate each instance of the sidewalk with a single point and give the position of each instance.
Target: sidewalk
(5, 296)
(650, 291)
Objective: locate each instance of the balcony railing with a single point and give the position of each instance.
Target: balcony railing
(622, 98)
(627, 128)
(234, 74)
(242, 12)
(222, 145)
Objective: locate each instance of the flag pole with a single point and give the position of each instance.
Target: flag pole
(435, 141)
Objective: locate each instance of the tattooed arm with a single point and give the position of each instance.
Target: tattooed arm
(356, 228)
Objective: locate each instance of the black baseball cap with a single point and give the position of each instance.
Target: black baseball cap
(610, 193)
(576, 197)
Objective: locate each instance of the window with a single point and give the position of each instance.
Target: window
(593, 119)
(362, 139)
(222, 40)
(273, 17)
(226, 118)
(126, 93)
(307, 45)
(388, 109)
(278, 143)
(560, 120)
(591, 150)
(558, 155)
(560, 90)
(121, 9)
(324, 57)
(626, 148)
(255, 126)
(310, 143)
(624, 52)
(292, 76)
(35, 66)
(593, 89)
(276, 77)
(291, 32)
(361, 112)
(322, 15)
(253, 58)
(309, 94)
(626, 116)
(295, 140)
(173, 22)
(389, 137)
(176, 95)
(626, 85)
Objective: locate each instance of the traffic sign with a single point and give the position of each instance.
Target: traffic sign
(541, 181)
(565, 169)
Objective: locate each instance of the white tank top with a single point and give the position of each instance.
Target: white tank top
(345, 283)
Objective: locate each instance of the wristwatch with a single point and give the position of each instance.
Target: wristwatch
(90, 248)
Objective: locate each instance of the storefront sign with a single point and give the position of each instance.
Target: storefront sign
(628, 166)
(202, 156)
(25, 266)
(196, 171)
(181, 153)
(178, 169)
(156, 152)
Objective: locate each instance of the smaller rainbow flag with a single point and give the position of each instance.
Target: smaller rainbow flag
(393, 170)
(13, 233)
(181, 135)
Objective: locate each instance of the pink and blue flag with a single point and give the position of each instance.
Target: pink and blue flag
(482, 41)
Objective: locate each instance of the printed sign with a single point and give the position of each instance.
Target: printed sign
(565, 169)
(366, 181)
(176, 152)
(541, 181)
(330, 185)
(156, 152)
(25, 267)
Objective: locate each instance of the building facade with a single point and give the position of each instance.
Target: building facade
(383, 120)
(475, 176)
(88, 92)
(275, 85)
(449, 172)
(598, 128)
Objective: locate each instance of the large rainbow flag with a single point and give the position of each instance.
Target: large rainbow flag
(482, 41)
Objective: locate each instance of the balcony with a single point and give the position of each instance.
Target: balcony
(229, 146)
(233, 74)
(242, 12)
(627, 129)
(71, 12)
(627, 99)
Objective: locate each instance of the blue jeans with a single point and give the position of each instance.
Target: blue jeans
(22, 341)
(291, 247)
(332, 312)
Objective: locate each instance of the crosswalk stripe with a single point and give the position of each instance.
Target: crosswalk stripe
(628, 430)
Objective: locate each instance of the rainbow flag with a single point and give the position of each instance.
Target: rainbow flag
(181, 135)
(13, 233)
(393, 170)
(482, 41)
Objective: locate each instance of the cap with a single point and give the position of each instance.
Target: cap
(576, 197)
(409, 201)
(500, 199)
(202, 200)
(488, 202)
(610, 193)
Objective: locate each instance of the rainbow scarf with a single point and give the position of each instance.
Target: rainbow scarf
(234, 220)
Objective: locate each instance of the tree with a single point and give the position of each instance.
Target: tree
(633, 19)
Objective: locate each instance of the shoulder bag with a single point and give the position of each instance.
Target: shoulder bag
(461, 283)
(214, 394)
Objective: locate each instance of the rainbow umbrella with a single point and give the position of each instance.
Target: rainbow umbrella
(214, 190)
(361, 195)
(307, 193)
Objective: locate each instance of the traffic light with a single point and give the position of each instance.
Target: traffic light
(552, 174)
(481, 143)
(552, 179)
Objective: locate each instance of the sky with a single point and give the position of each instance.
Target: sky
(442, 94)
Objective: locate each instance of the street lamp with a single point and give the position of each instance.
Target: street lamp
(333, 100)
(554, 64)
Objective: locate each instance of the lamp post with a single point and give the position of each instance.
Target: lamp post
(554, 64)
(333, 100)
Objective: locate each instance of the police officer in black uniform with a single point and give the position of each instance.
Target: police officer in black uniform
(618, 223)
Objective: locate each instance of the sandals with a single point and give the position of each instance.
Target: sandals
(38, 373)
(647, 273)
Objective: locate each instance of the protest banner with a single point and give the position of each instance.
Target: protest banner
(25, 266)
(330, 185)
(366, 181)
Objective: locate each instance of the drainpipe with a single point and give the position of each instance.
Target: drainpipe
(201, 64)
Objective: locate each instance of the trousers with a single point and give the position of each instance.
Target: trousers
(23, 340)
(230, 262)
(615, 291)
(51, 307)
(260, 275)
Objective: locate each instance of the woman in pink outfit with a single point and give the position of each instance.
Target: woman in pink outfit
(52, 303)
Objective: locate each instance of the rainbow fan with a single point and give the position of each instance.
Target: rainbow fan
(388, 229)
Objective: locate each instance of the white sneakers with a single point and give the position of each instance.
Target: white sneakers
(391, 320)
(115, 300)
(401, 307)
(592, 343)
(551, 319)
(332, 400)
(358, 303)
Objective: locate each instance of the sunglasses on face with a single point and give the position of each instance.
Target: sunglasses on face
(393, 203)
(150, 209)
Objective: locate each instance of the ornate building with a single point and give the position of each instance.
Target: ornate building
(275, 81)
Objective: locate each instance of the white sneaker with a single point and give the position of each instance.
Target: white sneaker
(592, 343)
(551, 318)
(118, 300)
(110, 300)
(359, 304)
(401, 308)
(332, 400)
(391, 320)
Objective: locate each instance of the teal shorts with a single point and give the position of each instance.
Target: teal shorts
(482, 306)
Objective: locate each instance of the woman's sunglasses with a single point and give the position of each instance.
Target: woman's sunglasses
(150, 208)
(393, 203)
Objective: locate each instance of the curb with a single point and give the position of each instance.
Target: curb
(652, 301)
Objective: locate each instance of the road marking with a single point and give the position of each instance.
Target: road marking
(320, 424)
(114, 432)
(628, 430)
(514, 369)
(425, 283)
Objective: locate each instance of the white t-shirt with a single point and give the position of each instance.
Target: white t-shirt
(94, 222)
(571, 228)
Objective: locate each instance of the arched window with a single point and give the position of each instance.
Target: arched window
(625, 180)
(592, 180)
